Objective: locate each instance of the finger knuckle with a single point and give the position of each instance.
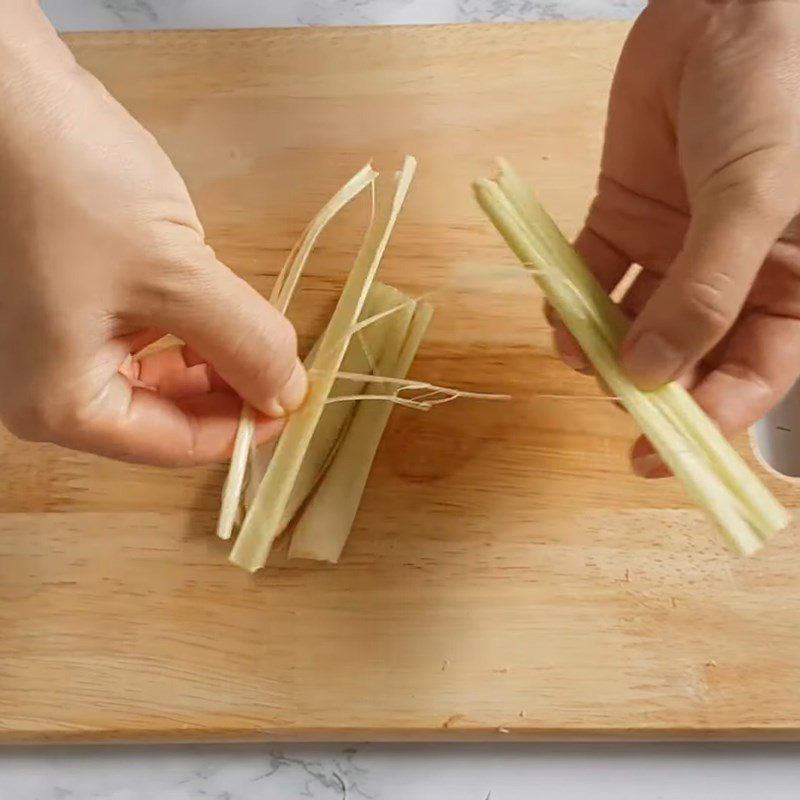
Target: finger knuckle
(277, 340)
(707, 306)
(177, 273)
(758, 198)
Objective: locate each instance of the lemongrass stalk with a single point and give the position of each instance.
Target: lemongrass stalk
(257, 468)
(280, 297)
(327, 520)
(715, 475)
(556, 247)
(336, 416)
(566, 299)
(237, 472)
(761, 507)
(263, 519)
(260, 457)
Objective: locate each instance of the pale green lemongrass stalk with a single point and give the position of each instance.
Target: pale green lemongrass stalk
(714, 473)
(326, 522)
(336, 416)
(280, 297)
(761, 507)
(263, 519)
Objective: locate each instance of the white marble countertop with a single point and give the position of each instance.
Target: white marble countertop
(112, 14)
(372, 772)
(508, 772)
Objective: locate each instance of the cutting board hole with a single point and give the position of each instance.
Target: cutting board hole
(776, 438)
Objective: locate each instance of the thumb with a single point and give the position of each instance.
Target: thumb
(251, 345)
(704, 289)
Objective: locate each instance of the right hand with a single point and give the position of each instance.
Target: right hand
(101, 255)
(700, 185)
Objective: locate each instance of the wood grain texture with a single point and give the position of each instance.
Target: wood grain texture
(507, 576)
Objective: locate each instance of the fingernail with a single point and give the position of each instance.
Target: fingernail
(293, 394)
(575, 361)
(651, 360)
(550, 314)
(569, 350)
(648, 466)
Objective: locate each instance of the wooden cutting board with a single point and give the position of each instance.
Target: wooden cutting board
(507, 577)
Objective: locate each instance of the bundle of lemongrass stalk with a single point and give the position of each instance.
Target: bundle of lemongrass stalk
(317, 471)
(714, 474)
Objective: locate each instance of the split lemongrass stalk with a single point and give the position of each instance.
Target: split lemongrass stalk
(336, 417)
(384, 305)
(715, 475)
(327, 520)
(262, 523)
(761, 508)
(237, 474)
(259, 460)
(280, 297)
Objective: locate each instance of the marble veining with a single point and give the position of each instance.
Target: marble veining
(420, 772)
(143, 14)
(515, 10)
(210, 773)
